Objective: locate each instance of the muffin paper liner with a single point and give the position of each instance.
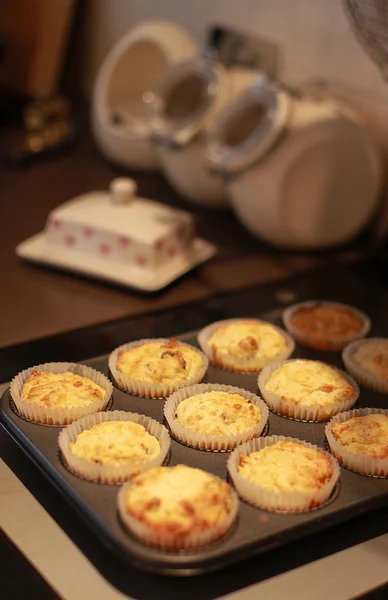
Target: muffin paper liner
(233, 363)
(323, 343)
(275, 500)
(55, 415)
(366, 465)
(210, 442)
(366, 379)
(152, 390)
(293, 410)
(107, 473)
(171, 541)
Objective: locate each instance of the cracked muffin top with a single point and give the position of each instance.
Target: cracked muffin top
(309, 382)
(160, 362)
(60, 390)
(247, 339)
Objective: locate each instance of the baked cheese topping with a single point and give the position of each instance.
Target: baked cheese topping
(247, 339)
(286, 467)
(366, 435)
(308, 383)
(217, 413)
(116, 443)
(326, 321)
(59, 390)
(157, 362)
(178, 500)
(373, 358)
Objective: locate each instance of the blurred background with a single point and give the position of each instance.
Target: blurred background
(89, 92)
(314, 36)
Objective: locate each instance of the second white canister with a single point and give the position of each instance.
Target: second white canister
(301, 171)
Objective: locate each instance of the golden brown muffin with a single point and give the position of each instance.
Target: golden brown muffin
(246, 339)
(178, 500)
(286, 467)
(323, 325)
(308, 383)
(372, 357)
(60, 390)
(116, 443)
(217, 413)
(366, 435)
(162, 363)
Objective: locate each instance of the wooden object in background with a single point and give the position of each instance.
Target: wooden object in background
(36, 34)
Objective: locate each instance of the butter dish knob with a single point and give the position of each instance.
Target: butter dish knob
(122, 190)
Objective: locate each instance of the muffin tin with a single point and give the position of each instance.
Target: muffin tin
(255, 531)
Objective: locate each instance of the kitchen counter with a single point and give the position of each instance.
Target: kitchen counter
(38, 302)
(341, 562)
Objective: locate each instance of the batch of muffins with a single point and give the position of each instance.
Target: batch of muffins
(179, 507)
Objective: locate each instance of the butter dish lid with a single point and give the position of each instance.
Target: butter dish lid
(119, 237)
(121, 212)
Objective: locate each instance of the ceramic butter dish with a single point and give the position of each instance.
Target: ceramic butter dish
(118, 236)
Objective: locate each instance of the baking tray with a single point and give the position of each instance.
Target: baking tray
(255, 531)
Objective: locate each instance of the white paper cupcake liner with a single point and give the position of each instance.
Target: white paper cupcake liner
(171, 541)
(275, 500)
(241, 365)
(293, 410)
(364, 378)
(323, 343)
(107, 473)
(365, 465)
(209, 442)
(152, 390)
(55, 415)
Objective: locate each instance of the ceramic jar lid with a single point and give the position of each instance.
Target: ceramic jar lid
(248, 128)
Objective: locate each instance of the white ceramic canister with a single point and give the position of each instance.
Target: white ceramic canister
(301, 172)
(119, 119)
(183, 104)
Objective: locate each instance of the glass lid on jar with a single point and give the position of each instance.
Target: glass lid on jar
(181, 100)
(247, 128)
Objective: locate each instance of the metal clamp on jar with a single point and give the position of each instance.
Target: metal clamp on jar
(183, 103)
(301, 171)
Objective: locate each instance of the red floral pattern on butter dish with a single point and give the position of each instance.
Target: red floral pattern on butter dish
(70, 241)
(55, 223)
(172, 251)
(124, 241)
(159, 245)
(105, 249)
(142, 261)
(88, 232)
